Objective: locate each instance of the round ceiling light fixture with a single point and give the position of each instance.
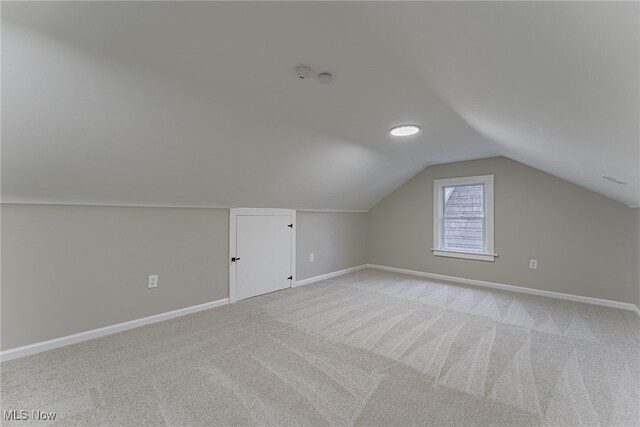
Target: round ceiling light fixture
(404, 130)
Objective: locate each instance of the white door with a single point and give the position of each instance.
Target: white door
(263, 254)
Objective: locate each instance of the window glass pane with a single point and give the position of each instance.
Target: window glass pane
(463, 222)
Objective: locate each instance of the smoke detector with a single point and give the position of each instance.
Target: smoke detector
(325, 78)
(304, 72)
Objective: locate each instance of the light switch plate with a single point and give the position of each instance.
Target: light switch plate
(533, 264)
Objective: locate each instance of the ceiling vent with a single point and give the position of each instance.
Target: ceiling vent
(612, 179)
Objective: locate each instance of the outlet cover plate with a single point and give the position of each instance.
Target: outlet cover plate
(153, 281)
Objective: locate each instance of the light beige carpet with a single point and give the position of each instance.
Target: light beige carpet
(369, 348)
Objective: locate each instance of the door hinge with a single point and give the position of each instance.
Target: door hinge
(290, 225)
(290, 277)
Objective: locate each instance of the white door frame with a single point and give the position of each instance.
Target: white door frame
(233, 215)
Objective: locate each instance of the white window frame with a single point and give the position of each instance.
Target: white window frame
(488, 254)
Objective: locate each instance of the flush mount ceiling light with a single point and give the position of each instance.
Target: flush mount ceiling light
(404, 130)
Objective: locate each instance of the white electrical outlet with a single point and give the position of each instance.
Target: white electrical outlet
(312, 257)
(533, 264)
(153, 281)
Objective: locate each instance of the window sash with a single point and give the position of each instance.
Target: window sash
(446, 194)
(482, 249)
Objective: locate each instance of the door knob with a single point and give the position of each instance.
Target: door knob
(234, 259)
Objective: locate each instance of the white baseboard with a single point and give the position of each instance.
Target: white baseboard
(39, 347)
(329, 275)
(511, 288)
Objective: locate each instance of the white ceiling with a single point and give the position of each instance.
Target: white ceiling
(198, 104)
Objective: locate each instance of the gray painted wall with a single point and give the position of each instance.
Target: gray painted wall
(338, 241)
(68, 269)
(637, 255)
(582, 240)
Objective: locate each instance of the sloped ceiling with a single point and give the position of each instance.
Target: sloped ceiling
(198, 104)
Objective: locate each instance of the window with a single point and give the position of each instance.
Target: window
(463, 217)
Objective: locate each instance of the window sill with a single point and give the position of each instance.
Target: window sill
(478, 256)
